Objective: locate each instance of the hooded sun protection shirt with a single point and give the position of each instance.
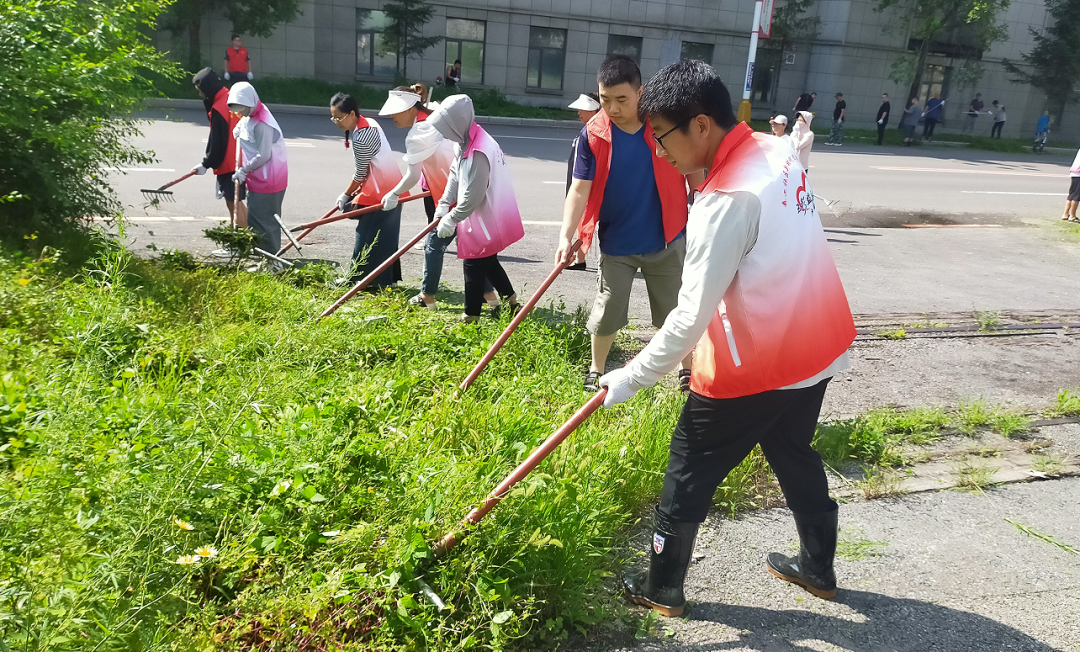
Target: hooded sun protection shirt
(262, 143)
(486, 214)
(220, 144)
(802, 138)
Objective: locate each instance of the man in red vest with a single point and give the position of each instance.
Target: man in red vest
(220, 153)
(635, 202)
(237, 62)
(764, 311)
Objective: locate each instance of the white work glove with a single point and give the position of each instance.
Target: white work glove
(880, 121)
(199, 169)
(343, 201)
(620, 387)
(390, 201)
(240, 175)
(446, 228)
(250, 77)
(226, 76)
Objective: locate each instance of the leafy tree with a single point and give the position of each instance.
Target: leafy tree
(968, 26)
(404, 36)
(1054, 66)
(70, 67)
(789, 26)
(255, 17)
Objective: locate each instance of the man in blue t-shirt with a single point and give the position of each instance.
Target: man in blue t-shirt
(635, 234)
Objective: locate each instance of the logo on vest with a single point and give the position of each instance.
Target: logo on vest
(804, 196)
(657, 543)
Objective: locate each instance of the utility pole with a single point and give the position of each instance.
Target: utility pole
(744, 106)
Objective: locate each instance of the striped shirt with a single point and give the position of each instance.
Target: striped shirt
(365, 145)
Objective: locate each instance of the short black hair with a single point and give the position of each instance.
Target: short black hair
(618, 69)
(594, 96)
(234, 36)
(687, 89)
(885, 94)
(345, 103)
(457, 61)
(839, 95)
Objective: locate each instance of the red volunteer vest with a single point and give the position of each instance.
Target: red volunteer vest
(238, 59)
(669, 183)
(785, 317)
(221, 107)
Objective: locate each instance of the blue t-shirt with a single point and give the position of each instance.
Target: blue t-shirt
(1044, 124)
(933, 108)
(631, 218)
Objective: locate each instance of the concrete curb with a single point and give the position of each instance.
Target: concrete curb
(370, 113)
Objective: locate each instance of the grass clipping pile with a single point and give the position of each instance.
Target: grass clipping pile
(189, 461)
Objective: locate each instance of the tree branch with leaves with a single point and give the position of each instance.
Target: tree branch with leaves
(253, 17)
(404, 36)
(1053, 66)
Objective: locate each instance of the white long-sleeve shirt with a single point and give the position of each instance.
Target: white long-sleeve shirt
(722, 229)
(471, 175)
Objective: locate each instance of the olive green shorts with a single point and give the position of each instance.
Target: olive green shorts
(662, 271)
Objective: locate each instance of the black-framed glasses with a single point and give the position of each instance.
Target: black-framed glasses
(660, 139)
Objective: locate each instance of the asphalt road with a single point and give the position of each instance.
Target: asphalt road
(914, 230)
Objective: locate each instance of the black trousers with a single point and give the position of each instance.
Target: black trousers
(714, 435)
(995, 131)
(881, 132)
(429, 208)
(928, 127)
(477, 272)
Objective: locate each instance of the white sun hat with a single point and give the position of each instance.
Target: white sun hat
(779, 119)
(585, 103)
(399, 101)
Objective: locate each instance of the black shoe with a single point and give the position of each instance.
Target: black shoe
(813, 568)
(577, 267)
(661, 588)
(513, 309)
(684, 380)
(592, 381)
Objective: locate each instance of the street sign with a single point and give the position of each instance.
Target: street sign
(749, 77)
(765, 24)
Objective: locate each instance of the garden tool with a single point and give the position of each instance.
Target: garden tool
(288, 234)
(472, 519)
(373, 274)
(288, 245)
(329, 217)
(267, 254)
(161, 193)
(240, 214)
(519, 317)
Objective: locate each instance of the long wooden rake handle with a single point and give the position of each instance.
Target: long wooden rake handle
(289, 245)
(518, 318)
(330, 218)
(168, 185)
(447, 543)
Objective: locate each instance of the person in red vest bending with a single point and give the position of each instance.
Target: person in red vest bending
(635, 202)
(237, 62)
(220, 153)
(764, 311)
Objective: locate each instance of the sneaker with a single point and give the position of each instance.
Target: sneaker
(223, 253)
(418, 302)
(592, 381)
(577, 267)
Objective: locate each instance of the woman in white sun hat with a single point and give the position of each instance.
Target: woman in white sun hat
(587, 105)
(428, 156)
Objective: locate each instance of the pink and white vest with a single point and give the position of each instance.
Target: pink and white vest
(274, 175)
(383, 171)
(436, 169)
(496, 223)
(785, 316)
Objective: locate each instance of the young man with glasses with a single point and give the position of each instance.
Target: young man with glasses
(635, 202)
(762, 302)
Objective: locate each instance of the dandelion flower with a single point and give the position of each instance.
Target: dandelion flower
(206, 551)
(24, 281)
(182, 524)
(188, 560)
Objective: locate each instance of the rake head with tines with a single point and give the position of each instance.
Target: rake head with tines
(161, 194)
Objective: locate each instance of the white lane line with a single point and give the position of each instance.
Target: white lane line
(144, 169)
(289, 143)
(560, 183)
(953, 226)
(148, 218)
(541, 223)
(561, 140)
(874, 153)
(1001, 192)
(956, 171)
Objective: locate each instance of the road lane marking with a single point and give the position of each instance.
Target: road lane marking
(1001, 192)
(953, 226)
(956, 171)
(144, 169)
(289, 143)
(561, 140)
(561, 183)
(541, 223)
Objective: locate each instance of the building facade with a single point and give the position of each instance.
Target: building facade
(546, 52)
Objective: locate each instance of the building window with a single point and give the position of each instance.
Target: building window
(697, 51)
(547, 55)
(370, 42)
(627, 45)
(465, 42)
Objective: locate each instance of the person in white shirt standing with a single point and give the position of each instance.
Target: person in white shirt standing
(1073, 199)
(762, 307)
(778, 124)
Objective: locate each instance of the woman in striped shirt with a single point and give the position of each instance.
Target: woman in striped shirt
(376, 172)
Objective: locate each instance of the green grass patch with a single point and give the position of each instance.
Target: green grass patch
(1067, 404)
(877, 436)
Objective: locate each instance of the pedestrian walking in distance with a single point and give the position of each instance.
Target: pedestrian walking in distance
(758, 272)
(935, 108)
(220, 155)
(1042, 132)
(587, 105)
(264, 165)
(804, 102)
(237, 62)
(1073, 200)
(836, 133)
(636, 203)
(478, 204)
(375, 173)
(973, 112)
(910, 120)
(883, 117)
(998, 111)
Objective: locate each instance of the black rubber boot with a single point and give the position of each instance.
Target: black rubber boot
(813, 568)
(661, 588)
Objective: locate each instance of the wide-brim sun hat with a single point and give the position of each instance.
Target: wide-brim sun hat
(585, 103)
(399, 101)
